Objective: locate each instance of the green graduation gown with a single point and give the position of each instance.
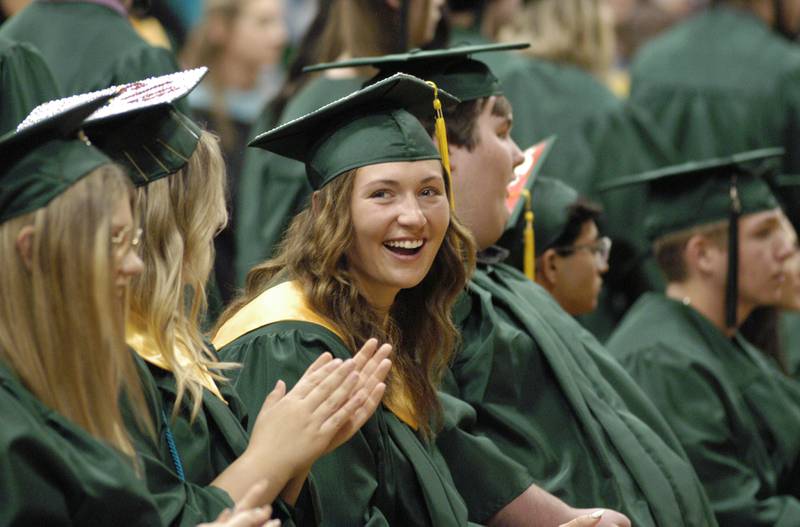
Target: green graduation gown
(272, 188)
(790, 340)
(723, 82)
(549, 395)
(88, 46)
(181, 502)
(599, 137)
(25, 82)
(736, 415)
(386, 474)
(54, 473)
(204, 447)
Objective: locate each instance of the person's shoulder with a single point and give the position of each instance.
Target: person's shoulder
(285, 337)
(651, 328)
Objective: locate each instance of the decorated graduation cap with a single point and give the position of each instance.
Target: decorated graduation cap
(140, 128)
(42, 160)
(702, 192)
(450, 69)
(522, 202)
(376, 124)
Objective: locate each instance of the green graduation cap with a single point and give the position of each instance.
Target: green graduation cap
(41, 161)
(451, 69)
(140, 128)
(702, 192)
(376, 124)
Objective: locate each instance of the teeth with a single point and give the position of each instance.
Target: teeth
(405, 244)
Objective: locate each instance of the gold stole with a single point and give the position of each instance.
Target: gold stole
(286, 302)
(146, 349)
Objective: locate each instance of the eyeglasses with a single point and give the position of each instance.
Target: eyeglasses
(123, 241)
(600, 248)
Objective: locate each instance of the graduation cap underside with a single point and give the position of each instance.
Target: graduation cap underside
(702, 192)
(376, 124)
(43, 159)
(451, 69)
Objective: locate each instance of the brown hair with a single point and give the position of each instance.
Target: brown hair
(181, 213)
(669, 249)
(314, 252)
(461, 120)
(61, 321)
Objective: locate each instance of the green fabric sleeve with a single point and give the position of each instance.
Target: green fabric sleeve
(180, 503)
(698, 407)
(54, 473)
(467, 454)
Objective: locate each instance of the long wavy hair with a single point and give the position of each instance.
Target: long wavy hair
(577, 32)
(181, 214)
(314, 253)
(61, 322)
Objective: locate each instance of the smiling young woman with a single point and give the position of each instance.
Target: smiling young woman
(376, 254)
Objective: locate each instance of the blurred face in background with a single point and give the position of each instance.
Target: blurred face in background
(258, 33)
(790, 292)
(423, 17)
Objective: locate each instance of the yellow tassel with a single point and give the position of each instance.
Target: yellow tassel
(441, 138)
(529, 262)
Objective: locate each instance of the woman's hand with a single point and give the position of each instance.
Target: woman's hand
(293, 429)
(588, 520)
(247, 512)
(599, 518)
(373, 364)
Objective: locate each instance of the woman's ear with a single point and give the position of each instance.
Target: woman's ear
(25, 245)
(702, 255)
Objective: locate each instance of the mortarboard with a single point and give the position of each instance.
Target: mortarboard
(450, 69)
(701, 192)
(42, 160)
(140, 128)
(376, 124)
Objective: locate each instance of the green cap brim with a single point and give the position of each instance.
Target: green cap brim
(699, 192)
(451, 69)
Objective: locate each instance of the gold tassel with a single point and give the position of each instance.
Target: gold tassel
(529, 262)
(441, 138)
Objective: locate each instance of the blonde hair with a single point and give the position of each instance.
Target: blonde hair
(314, 252)
(577, 32)
(181, 214)
(61, 322)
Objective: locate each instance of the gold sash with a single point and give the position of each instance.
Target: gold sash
(146, 349)
(286, 302)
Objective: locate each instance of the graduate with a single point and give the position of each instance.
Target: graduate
(570, 255)
(741, 92)
(545, 391)
(202, 460)
(273, 188)
(67, 233)
(558, 87)
(25, 82)
(716, 231)
(376, 253)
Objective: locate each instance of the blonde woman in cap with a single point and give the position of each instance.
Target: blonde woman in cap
(200, 460)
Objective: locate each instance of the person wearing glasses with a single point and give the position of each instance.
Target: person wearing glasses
(571, 256)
